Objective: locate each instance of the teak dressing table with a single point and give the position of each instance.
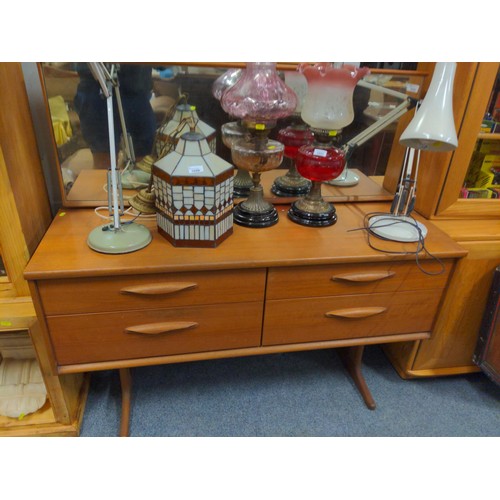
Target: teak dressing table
(262, 291)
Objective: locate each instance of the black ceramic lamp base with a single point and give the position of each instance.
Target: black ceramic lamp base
(289, 191)
(316, 219)
(240, 192)
(248, 218)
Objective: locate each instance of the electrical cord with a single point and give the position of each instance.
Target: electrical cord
(131, 212)
(420, 243)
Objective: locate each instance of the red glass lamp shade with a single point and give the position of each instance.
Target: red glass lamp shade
(293, 138)
(320, 164)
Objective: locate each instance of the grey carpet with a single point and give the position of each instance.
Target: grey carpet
(295, 394)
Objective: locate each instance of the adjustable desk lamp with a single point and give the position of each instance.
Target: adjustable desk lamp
(431, 129)
(117, 237)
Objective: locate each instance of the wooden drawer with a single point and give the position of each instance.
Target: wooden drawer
(123, 293)
(345, 279)
(351, 316)
(103, 337)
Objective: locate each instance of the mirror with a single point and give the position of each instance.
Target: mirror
(150, 94)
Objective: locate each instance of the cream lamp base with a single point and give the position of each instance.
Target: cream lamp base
(130, 237)
(397, 228)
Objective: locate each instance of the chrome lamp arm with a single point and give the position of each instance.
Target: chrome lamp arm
(406, 104)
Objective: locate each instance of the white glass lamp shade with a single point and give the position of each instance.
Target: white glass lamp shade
(328, 103)
(433, 127)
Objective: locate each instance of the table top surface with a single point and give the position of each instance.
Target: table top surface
(90, 186)
(64, 253)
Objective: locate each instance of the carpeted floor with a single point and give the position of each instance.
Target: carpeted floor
(296, 394)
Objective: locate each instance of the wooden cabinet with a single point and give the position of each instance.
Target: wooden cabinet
(24, 218)
(255, 294)
(473, 223)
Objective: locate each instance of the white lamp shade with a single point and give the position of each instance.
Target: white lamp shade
(433, 126)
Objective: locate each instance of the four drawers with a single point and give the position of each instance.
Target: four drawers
(97, 320)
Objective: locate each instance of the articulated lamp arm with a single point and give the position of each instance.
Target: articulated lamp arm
(406, 104)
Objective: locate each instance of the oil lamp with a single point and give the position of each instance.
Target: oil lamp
(233, 131)
(327, 109)
(259, 98)
(294, 136)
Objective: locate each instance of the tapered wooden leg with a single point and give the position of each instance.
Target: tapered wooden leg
(351, 358)
(126, 385)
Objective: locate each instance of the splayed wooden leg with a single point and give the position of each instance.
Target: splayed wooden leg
(126, 385)
(351, 358)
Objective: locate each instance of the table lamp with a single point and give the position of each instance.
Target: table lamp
(117, 237)
(294, 136)
(327, 109)
(259, 98)
(233, 131)
(431, 129)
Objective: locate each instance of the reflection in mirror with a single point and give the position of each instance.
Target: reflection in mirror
(151, 95)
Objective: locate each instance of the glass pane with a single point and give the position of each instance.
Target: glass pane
(3, 272)
(483, 176)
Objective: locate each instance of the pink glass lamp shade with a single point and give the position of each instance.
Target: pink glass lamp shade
(233, 131)
(259, 97)
(225, 82)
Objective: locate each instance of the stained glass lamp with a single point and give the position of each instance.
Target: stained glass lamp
(180, 123)
(194, 194)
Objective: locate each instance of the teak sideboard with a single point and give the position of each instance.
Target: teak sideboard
(262, 291)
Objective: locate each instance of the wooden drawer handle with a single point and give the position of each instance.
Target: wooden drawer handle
(159, 328)
(364, 277)
(158, 288)
(356, 312)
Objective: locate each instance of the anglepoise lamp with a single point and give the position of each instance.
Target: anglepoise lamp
(431, 129)
(117, 237)
(259, 98)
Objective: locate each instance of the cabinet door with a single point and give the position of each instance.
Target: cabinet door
(453, 201)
